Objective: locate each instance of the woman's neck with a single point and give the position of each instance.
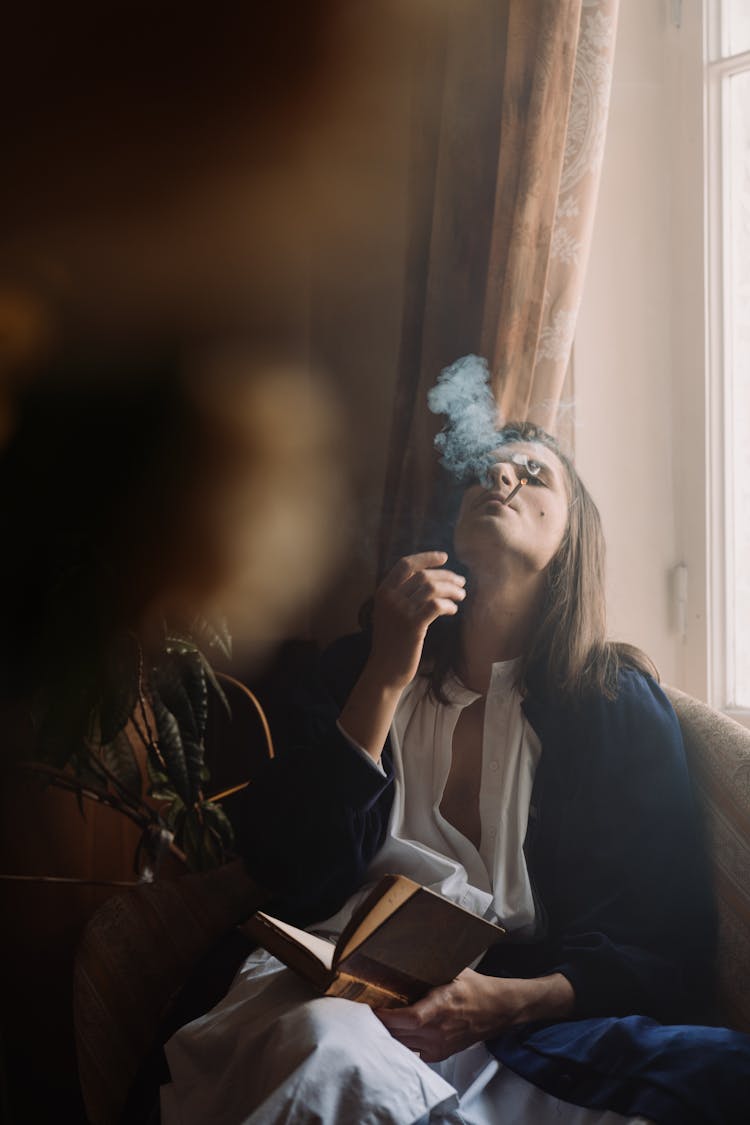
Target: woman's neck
(499, 620)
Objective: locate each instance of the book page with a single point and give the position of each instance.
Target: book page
(426, 937)
(320, 948)
(386, 897)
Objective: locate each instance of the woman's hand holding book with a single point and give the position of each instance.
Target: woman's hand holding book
(473, 1008)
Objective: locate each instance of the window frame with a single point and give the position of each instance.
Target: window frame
(719, 66)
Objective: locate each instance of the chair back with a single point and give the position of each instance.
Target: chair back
(718, 752)
(135, 954)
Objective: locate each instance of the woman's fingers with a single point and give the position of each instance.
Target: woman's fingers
(425, 599)
(420, 591)
(429, 578)
(436, 607)
(398, 1020)
(411, 564)
(412, 596)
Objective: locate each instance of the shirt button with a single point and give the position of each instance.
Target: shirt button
(493, 833)
(494, 767)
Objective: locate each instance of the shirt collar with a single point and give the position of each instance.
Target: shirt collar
(503, 674)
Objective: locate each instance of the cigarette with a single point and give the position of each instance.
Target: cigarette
(520, 485)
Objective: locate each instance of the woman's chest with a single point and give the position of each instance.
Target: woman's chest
(459, 803)
(463, 765)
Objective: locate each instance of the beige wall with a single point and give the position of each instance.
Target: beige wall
(639, 345)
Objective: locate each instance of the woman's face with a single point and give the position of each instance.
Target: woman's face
(527, 531)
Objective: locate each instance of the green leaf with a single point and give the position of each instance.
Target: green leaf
(195, 768)
(211, 676)
(165, 793)
(118, 756)
(171, 747)
(195, 685)
(204, 834)
(178, 642)
(212, 853)
(213, 634)
(87, 769)
(192, 839)
(173, 814)
(189, 648)
(215, 816)
(168, 679)
(154, 771)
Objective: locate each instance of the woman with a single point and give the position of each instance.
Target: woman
(485, 739)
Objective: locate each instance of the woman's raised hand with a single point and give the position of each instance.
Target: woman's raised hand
(408, 600)
(413, 594)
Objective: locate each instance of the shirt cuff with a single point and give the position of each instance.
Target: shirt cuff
(361, 750)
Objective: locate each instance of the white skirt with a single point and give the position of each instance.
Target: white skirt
(273, 1052)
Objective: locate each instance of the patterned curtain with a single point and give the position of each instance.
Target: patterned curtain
(529, 379)
(508, 139)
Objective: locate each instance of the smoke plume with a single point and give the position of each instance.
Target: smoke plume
(463, 394)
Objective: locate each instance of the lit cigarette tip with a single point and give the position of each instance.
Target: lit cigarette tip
(520, 484)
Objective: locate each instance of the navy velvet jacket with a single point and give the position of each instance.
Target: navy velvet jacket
(613, 847)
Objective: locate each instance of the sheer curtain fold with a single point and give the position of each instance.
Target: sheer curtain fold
(539, 69)
(508, 135)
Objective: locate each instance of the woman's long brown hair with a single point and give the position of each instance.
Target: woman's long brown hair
(570, 657)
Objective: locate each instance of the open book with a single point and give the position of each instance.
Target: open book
(402, 941)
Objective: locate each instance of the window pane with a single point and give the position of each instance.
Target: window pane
(737, 247)
(737, 15)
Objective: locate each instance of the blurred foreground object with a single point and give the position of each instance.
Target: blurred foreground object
(25, 335)
(171, 176)
(277, 511)
(168, 171)
(142, 509)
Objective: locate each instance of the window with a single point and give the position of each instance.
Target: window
(728, 214)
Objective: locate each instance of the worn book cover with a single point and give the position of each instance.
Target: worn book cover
(401, 941)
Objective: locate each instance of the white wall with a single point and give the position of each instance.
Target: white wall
(639, 345)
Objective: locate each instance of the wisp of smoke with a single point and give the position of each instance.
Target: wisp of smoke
(462, 392)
